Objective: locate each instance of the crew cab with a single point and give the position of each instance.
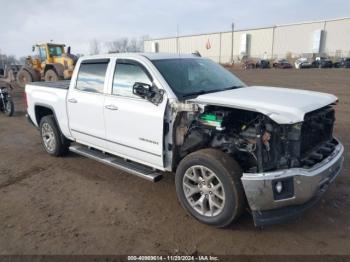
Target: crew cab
(232, 147)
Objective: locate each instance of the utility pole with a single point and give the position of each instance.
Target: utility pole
(177, 39)
(233, 29)
(273, 41)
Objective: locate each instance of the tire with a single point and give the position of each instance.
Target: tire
(9, 108)
(229, 201)
(24, 77)
(51, 76)
(52, 139)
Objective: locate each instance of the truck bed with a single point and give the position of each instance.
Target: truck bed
(64, 84)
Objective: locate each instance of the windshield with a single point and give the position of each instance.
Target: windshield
(55, 50)
(194, 76)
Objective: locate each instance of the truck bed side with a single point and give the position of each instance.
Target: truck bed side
(51, 96)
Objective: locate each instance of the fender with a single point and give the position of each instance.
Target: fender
(54, 115)
(35, 74)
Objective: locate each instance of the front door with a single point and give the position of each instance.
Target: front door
(85, 104)
(134, 126)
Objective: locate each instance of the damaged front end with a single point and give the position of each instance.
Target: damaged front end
(258, 143)
(283, 164)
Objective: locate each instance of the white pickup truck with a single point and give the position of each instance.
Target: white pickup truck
(270, 150)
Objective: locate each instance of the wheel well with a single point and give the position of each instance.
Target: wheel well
(48, 67)
(41, 111)
(58, 68)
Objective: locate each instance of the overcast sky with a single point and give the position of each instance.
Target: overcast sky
(77, 22)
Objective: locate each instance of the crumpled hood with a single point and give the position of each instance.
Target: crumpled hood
(283, 105)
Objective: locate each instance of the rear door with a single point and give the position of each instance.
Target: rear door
(134, 126)
(85, 103)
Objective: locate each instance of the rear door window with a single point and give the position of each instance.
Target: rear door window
(91, 77)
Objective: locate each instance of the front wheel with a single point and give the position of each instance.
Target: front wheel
(9, 108)
(208, 186)
(51, 76)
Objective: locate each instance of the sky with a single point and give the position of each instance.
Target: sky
(77, 22)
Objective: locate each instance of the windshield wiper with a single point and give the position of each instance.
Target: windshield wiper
(197, 93)
(231, 87)
(202, 92)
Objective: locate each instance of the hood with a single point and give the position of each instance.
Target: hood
(283, 105)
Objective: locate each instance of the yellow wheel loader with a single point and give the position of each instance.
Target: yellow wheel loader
(50, 63)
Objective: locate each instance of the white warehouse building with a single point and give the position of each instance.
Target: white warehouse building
(329, 37)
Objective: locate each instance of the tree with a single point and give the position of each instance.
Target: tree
(7, 60)
(94, 47)
(124, 44)
(117, 46)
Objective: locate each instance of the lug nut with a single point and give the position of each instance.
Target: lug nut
(206, 196)
(210, 192)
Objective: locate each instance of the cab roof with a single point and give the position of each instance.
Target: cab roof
(150, 56)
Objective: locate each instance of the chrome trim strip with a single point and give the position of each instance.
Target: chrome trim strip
(74, 130)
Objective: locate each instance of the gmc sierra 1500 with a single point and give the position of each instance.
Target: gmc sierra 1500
(269, 149)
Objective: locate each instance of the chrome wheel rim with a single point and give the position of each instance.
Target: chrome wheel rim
(48, 137)
(203, 191)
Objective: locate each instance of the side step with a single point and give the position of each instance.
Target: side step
(117, 162)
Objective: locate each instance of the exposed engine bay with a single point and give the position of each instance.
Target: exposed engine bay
(256, 142)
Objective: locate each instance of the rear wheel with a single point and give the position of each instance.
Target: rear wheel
(9, 108)
(208, 186)
(24, 77)
(52, 139)
(51, 76)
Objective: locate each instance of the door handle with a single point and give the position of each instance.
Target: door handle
(72, 100)
(111, 107)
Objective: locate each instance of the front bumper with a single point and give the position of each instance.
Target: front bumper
(308, 186)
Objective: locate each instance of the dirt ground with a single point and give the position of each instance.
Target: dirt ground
(73, 205)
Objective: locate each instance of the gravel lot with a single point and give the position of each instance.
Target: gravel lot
(73, 205)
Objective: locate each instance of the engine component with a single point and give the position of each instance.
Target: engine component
(265, 139)
(212, 120)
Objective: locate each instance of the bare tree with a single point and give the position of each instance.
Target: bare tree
(94, 47)
(118, 46)
(133, 45)
(7, 60)
(121, 45)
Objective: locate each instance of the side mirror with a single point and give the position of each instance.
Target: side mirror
(149, 92)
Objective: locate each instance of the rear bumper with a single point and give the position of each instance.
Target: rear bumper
(307, 186)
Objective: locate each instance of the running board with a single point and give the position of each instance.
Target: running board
(117, 162)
